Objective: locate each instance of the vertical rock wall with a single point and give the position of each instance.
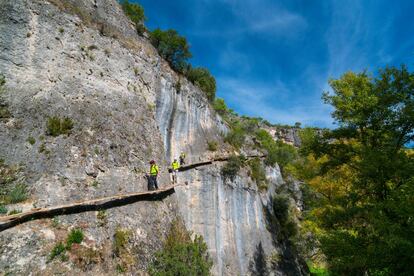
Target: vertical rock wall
(83, 60)
(229, 215)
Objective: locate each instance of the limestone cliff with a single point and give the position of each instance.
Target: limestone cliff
(83, 60)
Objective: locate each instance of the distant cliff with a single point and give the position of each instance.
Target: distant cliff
(82, 61)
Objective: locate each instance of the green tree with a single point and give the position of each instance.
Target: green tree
(363, 216)
(232, 167)
(135, 12)
(172, 47)
(258, 172)
(181, 254)
(203, 79)
(220, 106)
(277, 151)
(236, 136)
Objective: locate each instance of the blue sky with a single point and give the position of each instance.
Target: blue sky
(273, 58)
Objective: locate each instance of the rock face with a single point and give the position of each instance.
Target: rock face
(287, 135)
(229, 215)
(82, 60)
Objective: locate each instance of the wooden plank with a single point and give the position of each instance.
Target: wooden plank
(102, 203)
(218, 159)
(85, 206)
(194, 165)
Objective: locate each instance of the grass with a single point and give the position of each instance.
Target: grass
(14, 212)
(85, 258)
(55, 222)
(3, 209)
(75, 236)
(95, 183)
(125, 259)
(31, 140)
(121, 238)
(58, 250)
(61, 30)
(102, 217)
(43, 149)
(11, 191)
(57, 126)
(18, 193)
(120, 268)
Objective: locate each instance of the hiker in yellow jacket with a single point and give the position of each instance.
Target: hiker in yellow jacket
(175, 166)
(153, 175)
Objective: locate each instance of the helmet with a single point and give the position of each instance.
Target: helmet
(152, 162)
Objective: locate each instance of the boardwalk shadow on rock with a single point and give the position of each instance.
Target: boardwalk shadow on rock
(86, 206)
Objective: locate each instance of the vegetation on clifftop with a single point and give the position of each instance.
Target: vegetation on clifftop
(135, 12)
(174, 48)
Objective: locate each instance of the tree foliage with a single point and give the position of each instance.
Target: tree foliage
(236, 136)
(232, 167)
(258, 172)
(362, 175)
(277, 151)
(203, 79)
(172, 47)
(220, 106)
(181, 254)
(135, 12)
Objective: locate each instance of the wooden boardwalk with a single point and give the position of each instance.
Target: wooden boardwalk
(85, 206)
(101, 203)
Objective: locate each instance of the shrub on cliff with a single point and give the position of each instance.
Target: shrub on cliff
(135, 12)
(258, 173)
(172, 47)
(203, 79)
(232, 167)
(282, 210)
(220, 106)
(11, 189)
(57, 126)
(181, 254)
(281, 153)
(74, 236)
(236, 136)
(2, 81)
(277, 151)
(212, 145)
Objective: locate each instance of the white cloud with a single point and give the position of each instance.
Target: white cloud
(271, 101)
(358, 36)
(256, 17)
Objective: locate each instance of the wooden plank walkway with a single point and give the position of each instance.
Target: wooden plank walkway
(85, 206)
(217, 159)
(102, 203)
